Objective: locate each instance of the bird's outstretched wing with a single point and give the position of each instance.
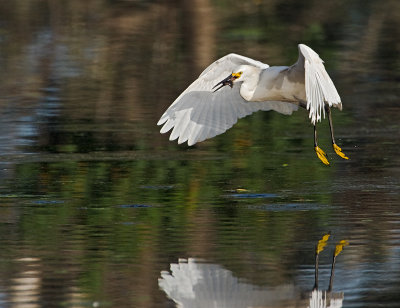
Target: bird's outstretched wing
(199, 113)
(318, 84)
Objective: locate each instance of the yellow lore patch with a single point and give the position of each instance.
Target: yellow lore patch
(237, 75)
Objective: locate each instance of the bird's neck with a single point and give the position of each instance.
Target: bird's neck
(250, 82)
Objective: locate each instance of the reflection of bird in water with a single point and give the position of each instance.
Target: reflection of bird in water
(207, 108)
(195, 284)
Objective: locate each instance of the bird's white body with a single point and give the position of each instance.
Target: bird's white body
(276, 83)
(200, 113)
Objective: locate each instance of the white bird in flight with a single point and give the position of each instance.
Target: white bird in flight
(207, 108)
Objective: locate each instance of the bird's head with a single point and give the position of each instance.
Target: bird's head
(228, 81)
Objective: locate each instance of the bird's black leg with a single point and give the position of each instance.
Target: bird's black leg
(328, 111)
(320, 153)
(339, 247)
(337, 149)
(315, 137)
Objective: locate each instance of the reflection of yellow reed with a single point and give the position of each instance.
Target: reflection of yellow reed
(340, 246)
(338, 249)
(322, 243)
(318, 249)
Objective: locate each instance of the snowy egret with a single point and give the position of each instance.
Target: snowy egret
(208, 108)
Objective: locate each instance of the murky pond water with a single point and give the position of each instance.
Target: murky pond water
(97, 209)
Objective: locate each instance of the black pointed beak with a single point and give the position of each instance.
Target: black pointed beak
(228, 81)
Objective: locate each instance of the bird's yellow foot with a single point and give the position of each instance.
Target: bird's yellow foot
(321, 155)
(339, 152)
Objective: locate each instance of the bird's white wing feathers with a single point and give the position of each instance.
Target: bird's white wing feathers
(319, 86)
(199, 113)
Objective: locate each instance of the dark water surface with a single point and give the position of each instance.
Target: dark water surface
(97, 209)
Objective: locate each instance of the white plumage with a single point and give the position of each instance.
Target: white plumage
(201, 112)
(192, 283)
(318, 84)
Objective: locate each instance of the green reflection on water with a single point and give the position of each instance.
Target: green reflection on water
(105, 202)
